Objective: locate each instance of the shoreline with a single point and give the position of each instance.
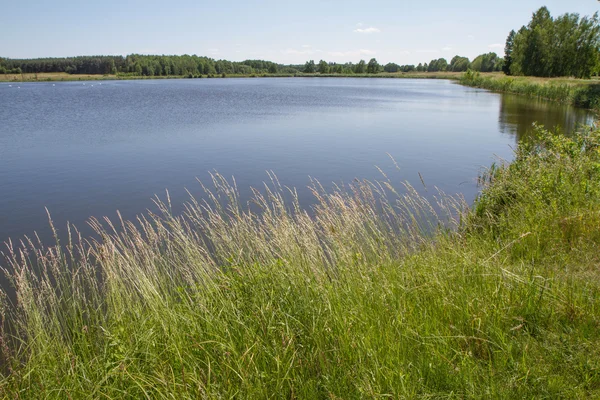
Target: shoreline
(64, 77)
(575, 92)
(582, 93)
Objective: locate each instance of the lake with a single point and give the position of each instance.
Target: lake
(86, 149)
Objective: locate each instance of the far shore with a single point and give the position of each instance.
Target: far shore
(583, 93)
(63, 76)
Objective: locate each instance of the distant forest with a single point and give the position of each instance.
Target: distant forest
(563, 46)
(192, 66)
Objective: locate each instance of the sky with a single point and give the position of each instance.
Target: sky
(285, 32)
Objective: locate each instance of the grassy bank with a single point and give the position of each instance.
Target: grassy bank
(53, 77)
(378, 293)
(63, 76)
(577, 92)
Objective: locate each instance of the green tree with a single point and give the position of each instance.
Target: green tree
(361, 67)
(323, 67)
(586, 48)
(459, 64)
(309, 67)
(508, 49)
(373, 66)
(538, 48)
(438, 65)
(391, 67)
(565, 46)
(488, 62)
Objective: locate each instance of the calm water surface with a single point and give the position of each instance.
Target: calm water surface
(86, 149)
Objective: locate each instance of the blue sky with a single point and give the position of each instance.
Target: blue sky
(405, 32)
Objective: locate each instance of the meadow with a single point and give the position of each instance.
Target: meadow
(376, 292)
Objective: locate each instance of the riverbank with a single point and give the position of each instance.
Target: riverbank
(63, 76)
(583, 93)
(375, 295)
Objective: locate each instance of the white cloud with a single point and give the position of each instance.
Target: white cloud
(428, 51)
(297, 52)
(496, 46)
(470, 37)
(368, 30)
(213, 51)
(352, 53)
(306, 46)
(447, 48)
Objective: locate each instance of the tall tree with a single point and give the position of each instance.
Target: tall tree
(309, 67)
(323, 67)
(508, 49)
(459, 64)
(488, 62)
(391, 67)
(361, 67)
(373, 66)
(437, 65)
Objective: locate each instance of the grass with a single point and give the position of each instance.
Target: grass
(376, 293)
(52, 76)
(578, 92)
(407, 75)
(63, 76)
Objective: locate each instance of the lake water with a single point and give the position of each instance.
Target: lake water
(86, 149)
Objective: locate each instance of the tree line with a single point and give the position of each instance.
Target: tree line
(192, 65)
(140, 65)
(489, 62)
(568, 45)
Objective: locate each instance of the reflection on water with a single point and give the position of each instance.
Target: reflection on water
(519, 113)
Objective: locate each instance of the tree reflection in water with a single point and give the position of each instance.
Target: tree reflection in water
(519, 113)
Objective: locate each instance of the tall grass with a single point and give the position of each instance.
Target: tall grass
(376, 292)
(580, 94)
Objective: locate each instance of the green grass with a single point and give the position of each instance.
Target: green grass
(63, 76)
(578, 92)
(376, 294)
